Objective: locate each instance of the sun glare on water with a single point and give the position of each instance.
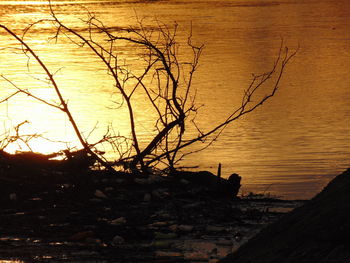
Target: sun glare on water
(11, 261)
(41, 2)
(38, 146)
(22, 2)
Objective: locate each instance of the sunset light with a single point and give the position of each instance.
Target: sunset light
(274, 134)
(174, 131)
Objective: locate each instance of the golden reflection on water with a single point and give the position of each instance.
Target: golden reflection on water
(41, 2)
(301, 135)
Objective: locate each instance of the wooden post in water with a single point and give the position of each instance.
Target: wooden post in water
(219, 173)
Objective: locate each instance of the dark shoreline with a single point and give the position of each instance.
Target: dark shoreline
(318, 231)
(85, 215)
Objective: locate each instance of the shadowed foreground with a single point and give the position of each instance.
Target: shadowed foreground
(316, 232)
(61, 210)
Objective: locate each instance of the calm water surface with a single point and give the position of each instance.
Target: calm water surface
(290, 147)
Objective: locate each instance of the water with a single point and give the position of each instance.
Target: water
(290, 147)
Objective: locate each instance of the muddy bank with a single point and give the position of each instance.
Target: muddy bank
(54, 214)
(316, 232)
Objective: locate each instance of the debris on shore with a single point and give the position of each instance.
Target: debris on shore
(55, 210)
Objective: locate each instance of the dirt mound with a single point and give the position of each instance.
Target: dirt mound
(316, 232)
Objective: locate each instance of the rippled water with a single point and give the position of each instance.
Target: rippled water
(291, 147)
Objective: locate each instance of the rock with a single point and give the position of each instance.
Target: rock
(163, 243)
(147, 197)
(35, 199)
(215, 228)
(109, 189)
(13, 196)
(184, 181)
(118, 240)
(193, 205)
(234, 183)
(118, 221)
(238, 237)
(208, 182)
(213, 253)
(173, 228)
(229, 188)
(153, 178)
(100, 194)
(224, 242)
(157, 193)
(185, 228)
(150, 180)
(93, 241)
(158, 224)
(203, 178)
(196, 256)
(141, 181)
(95, 200)
(160, 193)
(168, 254)
(162, 215)
(119, 181)
(82, 236)
(84, 253)
(160, 235)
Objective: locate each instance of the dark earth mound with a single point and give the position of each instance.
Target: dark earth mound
(319, 231)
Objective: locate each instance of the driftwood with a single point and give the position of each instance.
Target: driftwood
(77, 160)
(215, 184)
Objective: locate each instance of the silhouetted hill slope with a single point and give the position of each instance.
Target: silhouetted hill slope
(319, 231)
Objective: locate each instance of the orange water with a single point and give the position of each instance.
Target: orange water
(290, 147)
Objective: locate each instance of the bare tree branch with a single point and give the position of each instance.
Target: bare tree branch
(58, 92)
(165, 82)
